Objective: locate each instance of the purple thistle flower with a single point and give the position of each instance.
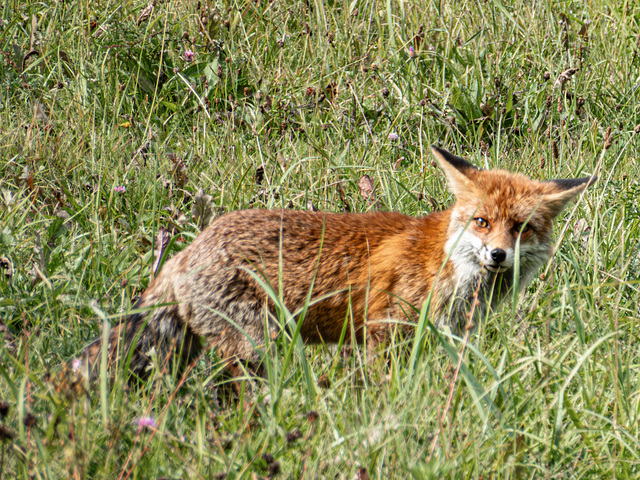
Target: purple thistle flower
(393, 136)
(145, 422)
(121, 189)
(189, 56)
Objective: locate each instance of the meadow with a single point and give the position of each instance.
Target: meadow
(127, 126)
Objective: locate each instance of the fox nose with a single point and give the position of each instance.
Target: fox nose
(498, 255)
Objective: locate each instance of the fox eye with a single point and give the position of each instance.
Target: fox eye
(522, 228)
(481, 222)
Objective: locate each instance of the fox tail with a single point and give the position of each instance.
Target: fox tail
(155, 333)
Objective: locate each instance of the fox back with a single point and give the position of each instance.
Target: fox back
(351, 275)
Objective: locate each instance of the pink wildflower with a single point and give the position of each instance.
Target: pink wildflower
(76, 364)
(145, 422)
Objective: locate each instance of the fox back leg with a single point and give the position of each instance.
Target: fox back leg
(189, 305)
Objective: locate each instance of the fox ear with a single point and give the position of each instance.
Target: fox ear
(564, 191)
(459, 172)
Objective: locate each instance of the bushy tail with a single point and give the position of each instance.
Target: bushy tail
(158, 333)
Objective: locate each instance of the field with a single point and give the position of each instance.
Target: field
(125, 123)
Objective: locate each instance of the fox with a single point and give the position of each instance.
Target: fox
(354, 276)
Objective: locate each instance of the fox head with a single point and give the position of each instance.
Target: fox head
(498, 213)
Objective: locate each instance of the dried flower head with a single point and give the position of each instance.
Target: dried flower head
(29, 420)
(273, 469)
(362, 474)
(5, 433)
(4, 409)
(324, 382)
(293, 435)
(608, 139)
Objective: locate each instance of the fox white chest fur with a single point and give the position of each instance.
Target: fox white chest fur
(351, 275)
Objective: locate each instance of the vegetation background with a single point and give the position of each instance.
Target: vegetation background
(126, 126)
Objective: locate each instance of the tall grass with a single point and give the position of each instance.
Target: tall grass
(114, 114)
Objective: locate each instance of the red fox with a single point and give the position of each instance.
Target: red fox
(361, 274)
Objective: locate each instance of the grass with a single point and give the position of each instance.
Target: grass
(289, 104)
